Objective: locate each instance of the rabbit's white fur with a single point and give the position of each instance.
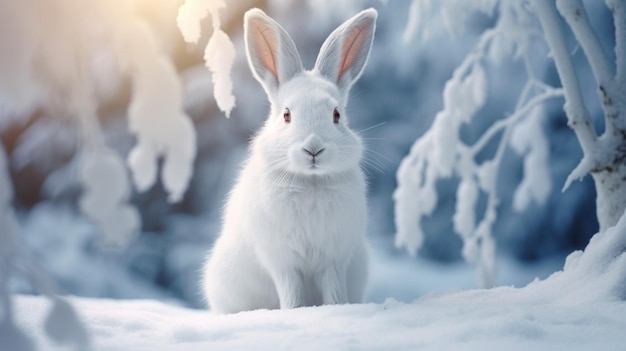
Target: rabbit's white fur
(294, 225)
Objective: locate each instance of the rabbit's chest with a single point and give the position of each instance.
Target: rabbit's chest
(314, 221)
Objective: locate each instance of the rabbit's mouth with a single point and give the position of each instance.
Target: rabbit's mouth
(312, 166)
(313, 155)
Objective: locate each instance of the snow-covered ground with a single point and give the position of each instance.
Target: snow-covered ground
(472, 320)
(580, 307)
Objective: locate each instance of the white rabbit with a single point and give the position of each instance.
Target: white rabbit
(294, 225)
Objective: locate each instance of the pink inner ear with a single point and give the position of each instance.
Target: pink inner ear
(266, 47)
(352, 45)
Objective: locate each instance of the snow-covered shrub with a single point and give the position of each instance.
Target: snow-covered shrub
(53, 65)
(52, 56)
(62, 324)
(442, 152)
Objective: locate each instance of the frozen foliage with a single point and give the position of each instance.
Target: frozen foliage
(49, 50)
(61, 323)
(536, 183)
(156, 116)
(219, 54)
(443, 152)
(455, 15)
(106, 191)
(163, 130)
(74, 33)
(219, 57)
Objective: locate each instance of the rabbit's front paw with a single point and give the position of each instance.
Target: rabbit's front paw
(290, 290)
(333, 287)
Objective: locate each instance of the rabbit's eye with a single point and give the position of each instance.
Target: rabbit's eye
(336, 116)
(287, 115)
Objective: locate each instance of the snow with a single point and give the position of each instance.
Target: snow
(63, 325)
(475, 320)
(578, 308)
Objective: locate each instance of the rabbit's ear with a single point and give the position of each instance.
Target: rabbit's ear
(344, 53)
(272, 55)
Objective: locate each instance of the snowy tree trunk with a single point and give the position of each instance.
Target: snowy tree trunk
(611, 195)
(604, 156)
(611, 180)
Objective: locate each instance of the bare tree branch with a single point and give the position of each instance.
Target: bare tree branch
(577, 113)
(618, 7)
(576, 17)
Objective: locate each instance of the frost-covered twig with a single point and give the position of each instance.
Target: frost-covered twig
(441, 153)
(103, 176)
(520, 112)
(576, 17)
(577, 113)
(219, 54)
(618, 7)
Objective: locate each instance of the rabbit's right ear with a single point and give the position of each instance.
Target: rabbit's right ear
(344, 54)
(272, 55)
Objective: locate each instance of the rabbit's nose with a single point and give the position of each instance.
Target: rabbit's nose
(313, 145)
(313, 152)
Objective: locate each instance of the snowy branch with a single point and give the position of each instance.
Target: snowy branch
(520, 112)
(156, 113)
(604, 156)
(576, 17)
(440, 153)
(576, 111)
(618, 7)
(219, 54)
(574, 13)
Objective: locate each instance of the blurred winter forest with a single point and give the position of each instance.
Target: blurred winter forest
(118, 158)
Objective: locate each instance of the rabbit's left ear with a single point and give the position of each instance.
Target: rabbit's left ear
(272, 55)
(344, 54)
